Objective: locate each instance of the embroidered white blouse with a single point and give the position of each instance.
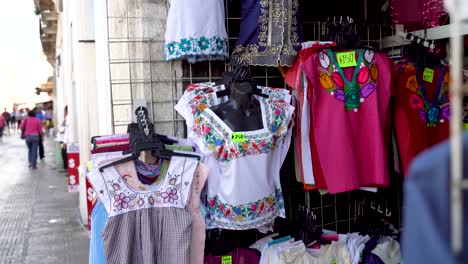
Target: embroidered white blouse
(118, 197)
(195, 30)
(243, 189)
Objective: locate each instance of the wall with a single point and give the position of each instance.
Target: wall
(137, 69)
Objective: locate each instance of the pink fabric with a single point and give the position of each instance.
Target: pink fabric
(100, 141)
(417, 14)
(33, 126)
(350, 145)
(111, 149)
(197, 247)
(433, 11)
(2, 121)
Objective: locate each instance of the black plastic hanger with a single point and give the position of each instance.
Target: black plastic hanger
(240, 74)
(144, 139)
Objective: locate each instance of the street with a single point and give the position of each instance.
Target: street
(39, 219)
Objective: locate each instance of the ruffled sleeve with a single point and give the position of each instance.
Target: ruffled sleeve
(193, 98)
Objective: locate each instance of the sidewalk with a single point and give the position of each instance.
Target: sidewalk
(39, 219)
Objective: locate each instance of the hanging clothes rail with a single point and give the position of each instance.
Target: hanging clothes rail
(435, 33)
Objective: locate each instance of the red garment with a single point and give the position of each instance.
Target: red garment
(33, 126)
(412, 132)
(349, 128)
(111, 149)
(293, 79)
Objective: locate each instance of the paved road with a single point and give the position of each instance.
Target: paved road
(39, 219)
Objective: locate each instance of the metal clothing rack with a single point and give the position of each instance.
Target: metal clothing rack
(457, 185)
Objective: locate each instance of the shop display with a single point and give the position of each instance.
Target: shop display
(270, 32)
(194, 35)
(356, 116)
(236, 199)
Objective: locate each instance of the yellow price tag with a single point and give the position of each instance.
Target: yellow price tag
(238, 137)
(226, 260)
(346, 59)
(428, 75)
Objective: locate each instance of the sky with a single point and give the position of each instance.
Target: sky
(23, 65)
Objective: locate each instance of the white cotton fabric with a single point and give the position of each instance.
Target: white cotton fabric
(355, 244)
(259, 244)
(245, 181)
(388, 251)
(194, 19)
(462, 7)
(180, 170)
(333, 253)
(306, 151)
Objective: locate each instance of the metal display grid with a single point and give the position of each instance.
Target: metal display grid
(336, 212)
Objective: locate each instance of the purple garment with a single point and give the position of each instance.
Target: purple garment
(238, 256)
(367, 256)
(270, 32)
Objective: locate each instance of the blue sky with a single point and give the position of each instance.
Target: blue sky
(23, 66)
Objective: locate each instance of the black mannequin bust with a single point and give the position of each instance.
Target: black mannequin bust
(242, 112)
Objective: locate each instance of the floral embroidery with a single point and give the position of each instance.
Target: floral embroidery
(245, 216)
(125, 200)
(412, 84)
(416, 102)
(170, 195)
(121, 201)
(432, 113)
(196, 48)
(354, 92)
(216, 137)
(277, 17)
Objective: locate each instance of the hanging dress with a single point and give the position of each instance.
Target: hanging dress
(196, 31)
(150, 226)
(243, 190)
(270, 32)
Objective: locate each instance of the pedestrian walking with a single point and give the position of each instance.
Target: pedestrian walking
(13, 120)
(31, 128)
(20, 117)
(40, 116)
(7, 117)
(2, 125)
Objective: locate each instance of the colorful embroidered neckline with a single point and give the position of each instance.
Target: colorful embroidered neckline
(354, 92)
(435, 112)
(216, 135)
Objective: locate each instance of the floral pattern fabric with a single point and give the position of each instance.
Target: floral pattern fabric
(196, 49)
(353, 92)
(195, 31)
(216, 137)
(118, 197)
(232, 162)
(229, 216)
(431, 113)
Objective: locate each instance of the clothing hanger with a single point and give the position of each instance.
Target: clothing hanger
(240, 74)
(144, 140)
